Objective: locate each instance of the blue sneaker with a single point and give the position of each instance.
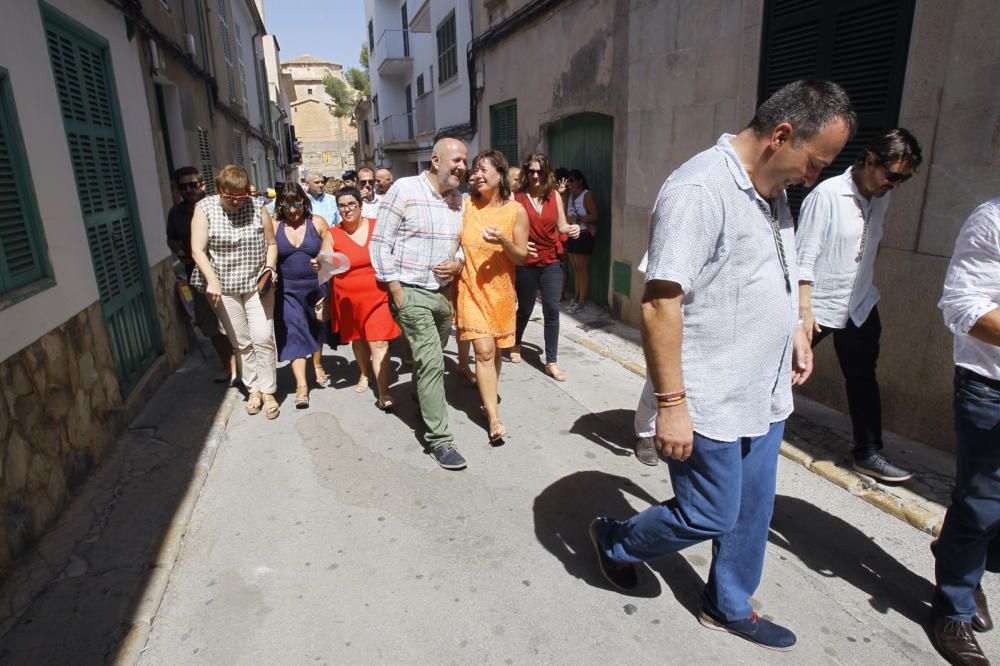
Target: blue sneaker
(448, 457)
(755, 629)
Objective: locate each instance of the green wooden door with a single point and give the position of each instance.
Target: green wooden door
(584, 141)
(82, 72)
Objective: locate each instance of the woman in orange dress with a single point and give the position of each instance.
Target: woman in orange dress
(494, 240)
(360, 303)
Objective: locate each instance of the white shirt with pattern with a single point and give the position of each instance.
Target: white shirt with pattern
(237, 247)
(416, 229)
(835, 252)
(710, 234)
(972, 288)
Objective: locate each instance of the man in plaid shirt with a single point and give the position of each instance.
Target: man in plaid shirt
(415, 252)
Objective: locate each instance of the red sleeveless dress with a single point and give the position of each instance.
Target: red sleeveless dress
(360, 303)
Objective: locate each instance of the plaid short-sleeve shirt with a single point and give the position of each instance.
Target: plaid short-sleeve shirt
(236, 244)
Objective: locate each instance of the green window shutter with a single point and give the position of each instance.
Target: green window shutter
(446, 48)
(227, 52)
(859, 44)
(205, 163)
(503, 129)
(82, 71)
(22, 256)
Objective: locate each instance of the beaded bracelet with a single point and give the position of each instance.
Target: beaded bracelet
(668, 396)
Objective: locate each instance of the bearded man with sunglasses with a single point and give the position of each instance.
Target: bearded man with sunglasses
(840, 226)
(191, 187)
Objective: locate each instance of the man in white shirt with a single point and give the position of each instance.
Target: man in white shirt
(968, 545)
(723, 348)
(369, 197)
(840, 226)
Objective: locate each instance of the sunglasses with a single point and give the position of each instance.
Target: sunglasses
(537, 172)
(189, 186)
(296, 205)
(367, 181)
(895, 176)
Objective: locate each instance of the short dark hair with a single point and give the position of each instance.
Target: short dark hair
(545, 164)
(350, 174)
(499, 162)
(890, 147)
(185, 171)
(348, 191)
(808, 105)
(562, 172)
(291, 191)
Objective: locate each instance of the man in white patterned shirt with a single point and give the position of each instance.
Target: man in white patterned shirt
(415, 252)
(968, 545)
(837, 240)
(723, 347)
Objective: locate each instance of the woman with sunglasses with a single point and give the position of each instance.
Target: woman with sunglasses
(300, 236)
(232, 243)
(542, 272)
(360, 303)
(581, 211)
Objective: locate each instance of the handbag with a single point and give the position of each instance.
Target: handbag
(265, 281)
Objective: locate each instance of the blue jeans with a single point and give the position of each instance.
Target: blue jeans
(973, 519)
(529, 280)
(723, 492)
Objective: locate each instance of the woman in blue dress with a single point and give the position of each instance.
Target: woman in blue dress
(300, 236)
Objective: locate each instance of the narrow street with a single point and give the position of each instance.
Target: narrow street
(327, 536)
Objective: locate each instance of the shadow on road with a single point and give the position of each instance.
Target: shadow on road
(563, 512)
(834, 548)
(88, 574)
(612, 429)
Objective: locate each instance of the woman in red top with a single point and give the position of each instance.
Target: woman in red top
(543, 271)
(360, 303)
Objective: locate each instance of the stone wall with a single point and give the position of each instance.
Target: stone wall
(61, 410)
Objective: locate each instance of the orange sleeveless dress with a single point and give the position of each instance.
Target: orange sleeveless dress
(486, 306)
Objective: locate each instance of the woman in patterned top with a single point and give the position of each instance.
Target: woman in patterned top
(232, 243)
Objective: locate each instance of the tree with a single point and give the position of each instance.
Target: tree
(343, 99)
(363, 58)
(359, 81)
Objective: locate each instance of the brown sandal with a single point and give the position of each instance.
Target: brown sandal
(254, 403)
(301, 397)
(552, 370)
(271, 408)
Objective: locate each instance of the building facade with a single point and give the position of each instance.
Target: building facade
(628, 91)
(327, 140)
(420, 86)
(99, 103)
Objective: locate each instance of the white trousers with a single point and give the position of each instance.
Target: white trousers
(645, 411)
(249, 323)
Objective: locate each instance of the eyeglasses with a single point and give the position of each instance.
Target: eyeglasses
(189, 186)
(895, 176)
(367, 181)
(536, 172)
(296, 205)
(350, 205)
(234, 197)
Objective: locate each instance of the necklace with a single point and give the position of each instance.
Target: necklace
(864, 230)
(778, 241)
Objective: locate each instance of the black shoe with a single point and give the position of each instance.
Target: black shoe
(875, 465)
(755, 629)
(622, 576)
(956, 643)
(981, 620)
(448, 457)
(645, 451)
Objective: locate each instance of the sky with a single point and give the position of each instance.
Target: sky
(330, 29)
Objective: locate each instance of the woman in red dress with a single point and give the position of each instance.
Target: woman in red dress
(360, 303)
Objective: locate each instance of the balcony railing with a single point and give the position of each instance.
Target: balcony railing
(397, 128)
(392, 46)
(424, 112)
